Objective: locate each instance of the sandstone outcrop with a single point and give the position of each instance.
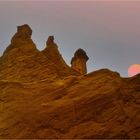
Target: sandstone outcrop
(52, 53)
(23, 62)
(37, 102)
(78, 62)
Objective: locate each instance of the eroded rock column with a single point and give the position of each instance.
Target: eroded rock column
(78, 62)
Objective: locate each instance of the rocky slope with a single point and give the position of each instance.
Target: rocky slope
(38, 101)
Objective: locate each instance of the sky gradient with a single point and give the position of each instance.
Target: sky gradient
(109, 31)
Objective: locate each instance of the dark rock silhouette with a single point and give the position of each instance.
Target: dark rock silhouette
(79, 60)
(42, 98)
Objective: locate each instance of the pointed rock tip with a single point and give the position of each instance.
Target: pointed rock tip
(50, 40)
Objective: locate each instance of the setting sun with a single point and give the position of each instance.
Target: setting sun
(133, 70)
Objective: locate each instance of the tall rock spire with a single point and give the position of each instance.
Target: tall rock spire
(52, 53)
(50, 41)
(79, 60)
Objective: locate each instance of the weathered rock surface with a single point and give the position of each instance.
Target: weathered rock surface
(37, 102)
(78, 62)
(22, 61)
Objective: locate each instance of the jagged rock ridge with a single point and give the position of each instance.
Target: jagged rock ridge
(52, 53)
(22, 61)
(37, 102)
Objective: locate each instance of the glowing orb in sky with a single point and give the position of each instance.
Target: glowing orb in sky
(133, 70)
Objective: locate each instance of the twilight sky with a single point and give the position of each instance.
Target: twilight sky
(109, 31)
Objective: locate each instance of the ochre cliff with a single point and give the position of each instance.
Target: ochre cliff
(37, 101)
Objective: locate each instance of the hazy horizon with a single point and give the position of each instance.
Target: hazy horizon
(108, 31)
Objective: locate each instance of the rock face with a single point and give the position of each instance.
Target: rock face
(79, 60)
(37, 102)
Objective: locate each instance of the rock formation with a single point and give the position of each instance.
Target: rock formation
(38, 102)
(29, 64)
(22, 62)
(23, 35)
(52, 53)
(22, 39)
(79, 60)
(50, 41)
